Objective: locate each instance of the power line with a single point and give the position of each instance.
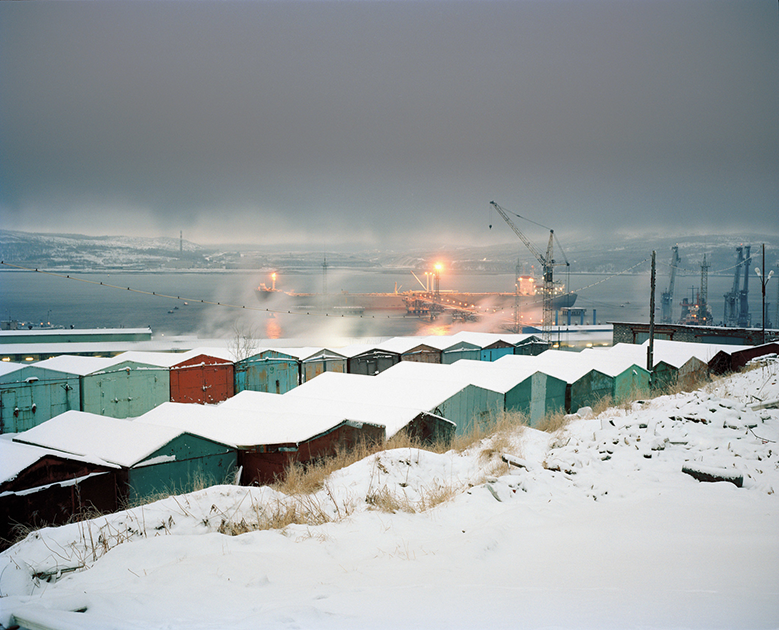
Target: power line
(184, 298)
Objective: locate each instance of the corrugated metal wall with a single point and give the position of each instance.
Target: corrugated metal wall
(31, 395)
(372, 363)
(127, 390)
(589, 390)
(197, 462)
(202, 379)
(270, 371)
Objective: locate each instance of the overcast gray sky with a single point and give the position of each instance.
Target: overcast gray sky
(388, 123)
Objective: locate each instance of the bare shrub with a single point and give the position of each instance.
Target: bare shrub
(243, 343)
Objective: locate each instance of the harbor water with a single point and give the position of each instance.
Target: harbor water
(212, 304)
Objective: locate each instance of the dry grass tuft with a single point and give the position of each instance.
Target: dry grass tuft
(310, 477)
(386, 501)
(501, 424)
(602, 404)
(553, 422)
(298, 509)
(435, 494)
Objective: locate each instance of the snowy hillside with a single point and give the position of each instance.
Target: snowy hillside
(77, 251)
(607, 254)
(595, 526)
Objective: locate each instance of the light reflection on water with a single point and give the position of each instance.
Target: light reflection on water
(272, 328)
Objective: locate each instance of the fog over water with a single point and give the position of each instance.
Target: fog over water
(37, 297)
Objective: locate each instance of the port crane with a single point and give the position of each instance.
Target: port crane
(736, 300)
(667, 297)
(744, 320)
(548, 264)
(731, 306)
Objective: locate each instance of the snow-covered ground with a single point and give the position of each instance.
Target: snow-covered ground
(598, 528)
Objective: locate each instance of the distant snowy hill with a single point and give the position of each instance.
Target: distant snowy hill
(610, 254)
(87, 252)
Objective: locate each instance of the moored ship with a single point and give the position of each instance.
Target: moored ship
(422, 303)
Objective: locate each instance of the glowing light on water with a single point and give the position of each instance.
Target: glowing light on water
(273, 328)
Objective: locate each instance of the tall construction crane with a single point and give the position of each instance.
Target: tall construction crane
(548, 264)
(667, 297)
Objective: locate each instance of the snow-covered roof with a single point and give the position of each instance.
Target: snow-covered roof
(301, 354)
(15, 457)
(611, 363)
(70, 332)
(477, 373)
(170, 359)
(32, 371)
(241, 427)
(82, 366)
(211, 351)
(355, 349)
(159, 359)
(703, 351)
(105, 348)
(562, 365)
(424, 395)
(446, 342)
(112, 440)
(288, 352)
(484, 340)
(502, 375)
(673, 356)
(393, 417)
(403, 344)
(6, 367)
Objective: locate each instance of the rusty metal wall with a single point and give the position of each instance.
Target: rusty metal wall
(203, 380)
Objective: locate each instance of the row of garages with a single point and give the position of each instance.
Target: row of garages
(132, 383)
(80, 459)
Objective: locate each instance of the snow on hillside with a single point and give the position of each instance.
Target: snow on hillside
(598, 527)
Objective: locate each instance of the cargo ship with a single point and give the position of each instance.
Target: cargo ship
(422, 303)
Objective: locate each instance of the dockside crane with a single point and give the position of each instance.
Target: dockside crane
(731, 308)
(744, 320)
(667, 297)
(548, 264)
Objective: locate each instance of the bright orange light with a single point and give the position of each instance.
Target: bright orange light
(438, 266)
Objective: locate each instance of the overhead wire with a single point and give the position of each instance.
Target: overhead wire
(261, 309)
(186, 299)
(711, 273)
(614, 275)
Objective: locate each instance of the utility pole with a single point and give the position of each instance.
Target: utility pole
(763, 282)
(650, 362)
(324, 275)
